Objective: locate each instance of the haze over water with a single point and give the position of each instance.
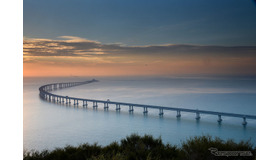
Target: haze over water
(49, 125)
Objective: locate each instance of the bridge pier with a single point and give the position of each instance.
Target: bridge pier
(219, 119)
(160, 112)
(106, 106)
(145, 110)
(178, 114)
(94, 105)
(76, 102)
(244, 123)
(84, 103)
(118, 107)
(197, 117)
(61, 99)
(131, 108)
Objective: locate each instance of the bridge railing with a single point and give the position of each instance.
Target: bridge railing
(45, 94)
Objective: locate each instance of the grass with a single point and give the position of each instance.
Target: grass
(135, 147)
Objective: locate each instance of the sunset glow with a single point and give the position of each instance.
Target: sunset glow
(81, 57)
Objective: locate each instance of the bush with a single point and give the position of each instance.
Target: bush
(198, 148)
(135, 147)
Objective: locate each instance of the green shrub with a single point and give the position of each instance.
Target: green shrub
(135, 147)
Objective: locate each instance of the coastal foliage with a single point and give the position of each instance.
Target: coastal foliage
(135, 147)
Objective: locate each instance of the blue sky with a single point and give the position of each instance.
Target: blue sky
(145, 22)
(139, 37)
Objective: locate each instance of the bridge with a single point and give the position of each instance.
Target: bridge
(45, 94)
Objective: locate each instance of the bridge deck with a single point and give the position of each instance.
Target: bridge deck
(43, 91)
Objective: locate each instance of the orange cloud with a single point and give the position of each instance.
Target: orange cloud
(82, 57)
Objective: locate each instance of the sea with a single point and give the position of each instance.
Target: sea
(49, 125)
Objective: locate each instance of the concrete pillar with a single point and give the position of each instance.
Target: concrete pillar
(178, 114)
(84, 103)
(118, 107)
(66, 99)
(106, 106)
(244, 123)
(219, 119)
(145, 110)
(160, 112)
(197, 117)
(94, 104)
(131, 108)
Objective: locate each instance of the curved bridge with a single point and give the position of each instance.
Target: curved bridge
(45, 94)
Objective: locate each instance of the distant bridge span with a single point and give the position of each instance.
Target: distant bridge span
(45, 94)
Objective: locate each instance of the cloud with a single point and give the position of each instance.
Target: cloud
(76, 54)
(73, 47)
(79, 47)
(29, 60)
(74, 39)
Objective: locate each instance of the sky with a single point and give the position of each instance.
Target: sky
(147, 37)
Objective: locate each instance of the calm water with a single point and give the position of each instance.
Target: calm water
(49, 125)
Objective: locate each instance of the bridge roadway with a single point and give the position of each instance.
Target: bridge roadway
(45, 94)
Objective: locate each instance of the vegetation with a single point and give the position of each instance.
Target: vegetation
(135, 147)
